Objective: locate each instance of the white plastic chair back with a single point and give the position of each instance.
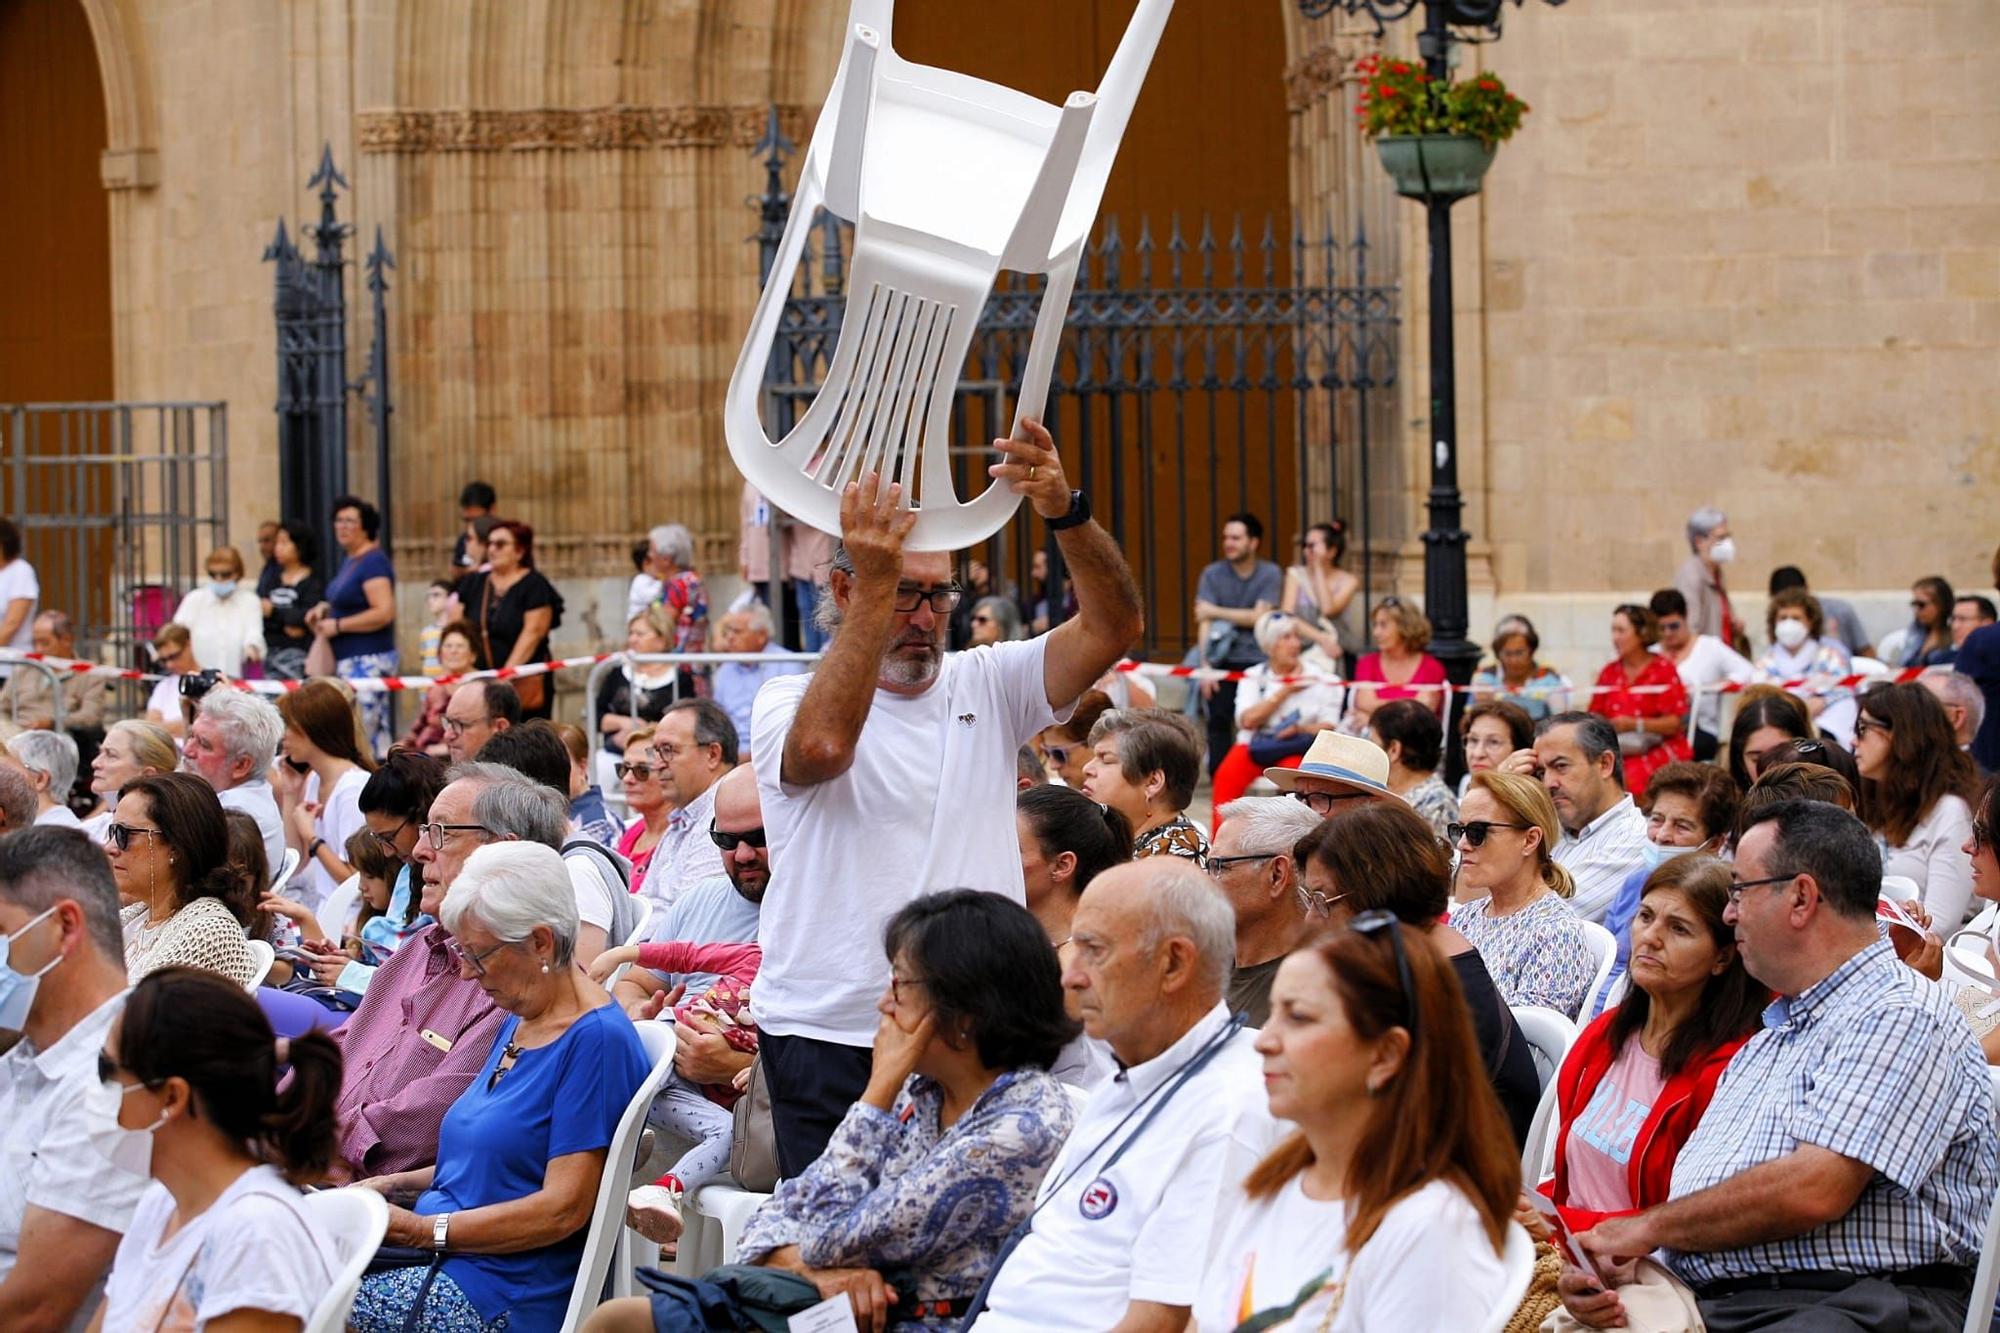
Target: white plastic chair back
(286, 870)
(262, 955)
(948, 179)
(1550, 1035)
(1986, 1278)
(1517, 1257)
(1604, 948)
(605, 1241)
(728, 1210)
(338, 909)
(645, 909)
(357, 1219)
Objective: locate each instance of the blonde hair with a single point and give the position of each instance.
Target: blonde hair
(152, 746)
(639, 736)
(656, 621)
(1528, 801)
(228, 554)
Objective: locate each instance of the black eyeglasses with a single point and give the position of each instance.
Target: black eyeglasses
(1982, 834)
(1474, 833)
(1322, 802)
(387, 841)
(1377, 923)
(642, 772)
(1737, 886)
(475, 961)
(120, 835)
(896, 985)
(435, 834)
(729, 842)
(943, 600)
(1218, 864)
(1865, 724)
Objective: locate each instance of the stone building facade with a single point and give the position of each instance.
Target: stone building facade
(1743, 250)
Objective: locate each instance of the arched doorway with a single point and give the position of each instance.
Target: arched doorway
(55, 233)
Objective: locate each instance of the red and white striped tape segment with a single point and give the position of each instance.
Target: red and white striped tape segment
(1158, 669)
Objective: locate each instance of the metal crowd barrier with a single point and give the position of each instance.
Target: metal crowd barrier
(55, 691)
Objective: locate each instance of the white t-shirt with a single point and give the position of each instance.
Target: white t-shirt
(1139, 1231)
(339, 819)
(255, 1248)
(254, 799)
(1428, 1265)
(594, 905)
(1709, 663)
(17, 581)
(846, 854)
(221, 629)
(1317, 702)
(165, 701)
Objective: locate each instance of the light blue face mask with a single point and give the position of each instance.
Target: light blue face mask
(223, 587)
(17, 992)
(1655, 854)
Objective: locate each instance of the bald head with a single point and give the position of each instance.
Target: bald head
(738, 814)
(1155, 940)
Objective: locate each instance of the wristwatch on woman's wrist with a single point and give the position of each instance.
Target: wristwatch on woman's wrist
(440, 1225)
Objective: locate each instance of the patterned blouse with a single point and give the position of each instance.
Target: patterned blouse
(1434, 801)
(893, 1193)
(1545, 692)
(1176, 837)
(1537, 955)
(203, 934)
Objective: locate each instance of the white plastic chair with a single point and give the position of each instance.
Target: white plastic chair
(1604, 948)
(286, 870)
(605, 1242)
(263, 955)
(1517, 1257)
(334, 913)
(645, 907)
(357, 1219)
(1549, 1035)
(1986, 1278)
(728, 1210)
(948, 179)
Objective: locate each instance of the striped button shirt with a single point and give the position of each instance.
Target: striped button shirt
(1600, 855)
(1876, 1064)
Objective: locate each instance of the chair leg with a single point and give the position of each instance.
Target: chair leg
(857, 93)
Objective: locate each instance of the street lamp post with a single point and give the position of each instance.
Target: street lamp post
(1445, 537)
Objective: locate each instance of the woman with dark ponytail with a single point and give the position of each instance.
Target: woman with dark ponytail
(189, 1096)
(169, 847)
(1067, 840)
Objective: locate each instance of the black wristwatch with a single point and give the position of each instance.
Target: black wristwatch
(1078, 515)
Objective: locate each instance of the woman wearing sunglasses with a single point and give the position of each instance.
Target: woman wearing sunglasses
(189, 1096)
(644, 785)
(1519, 917)
(1368, 1039)
(1383, 856)
(169, 847)
(1916, 787)
(1639, 1078)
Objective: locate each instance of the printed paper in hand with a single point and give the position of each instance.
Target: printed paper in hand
(835, 1314)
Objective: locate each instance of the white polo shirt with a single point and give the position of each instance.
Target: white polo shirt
(1143, 1230)
(46, 1158)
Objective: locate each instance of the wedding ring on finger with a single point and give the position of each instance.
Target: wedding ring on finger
(1031, 471)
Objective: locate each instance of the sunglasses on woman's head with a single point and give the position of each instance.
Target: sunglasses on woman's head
(1376, 923)
(1473, 833)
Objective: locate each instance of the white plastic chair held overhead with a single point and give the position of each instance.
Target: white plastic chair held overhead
(357, 1219)
(948, 179)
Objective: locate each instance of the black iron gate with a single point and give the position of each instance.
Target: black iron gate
(1199, 375)
(310, 307)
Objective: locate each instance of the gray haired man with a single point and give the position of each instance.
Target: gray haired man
(47, 759)
(1251, 861)
(230, 746)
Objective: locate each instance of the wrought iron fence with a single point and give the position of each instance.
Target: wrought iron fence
(1200, 374)
(118, 504)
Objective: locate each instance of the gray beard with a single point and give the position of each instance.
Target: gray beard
(908, 672)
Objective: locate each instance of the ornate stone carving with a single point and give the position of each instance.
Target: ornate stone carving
(1312, 76)
(568, 129)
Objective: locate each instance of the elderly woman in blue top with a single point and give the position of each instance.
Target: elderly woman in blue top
(521, 1152)
(907, 1208)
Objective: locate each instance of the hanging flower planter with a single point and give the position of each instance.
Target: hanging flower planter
(1435, 138)
(1426, 166)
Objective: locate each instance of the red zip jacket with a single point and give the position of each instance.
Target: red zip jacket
(1679, 1109)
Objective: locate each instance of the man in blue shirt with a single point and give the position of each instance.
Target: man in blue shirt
(1843, 1174)
(1979, 658)
(1231, 594)
(736, 683)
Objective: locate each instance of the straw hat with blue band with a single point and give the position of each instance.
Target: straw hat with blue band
(1352, 761)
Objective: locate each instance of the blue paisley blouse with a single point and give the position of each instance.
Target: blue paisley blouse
(926, 1208)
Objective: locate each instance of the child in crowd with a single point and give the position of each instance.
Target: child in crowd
(437, 605)
(383, 918)
(697, 1112)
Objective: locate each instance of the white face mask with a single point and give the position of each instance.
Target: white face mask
(129, 1150)
(1723, 551)
(1791, 633)
(222, 587)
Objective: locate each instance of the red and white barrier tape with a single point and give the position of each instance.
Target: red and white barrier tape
(1161, 670)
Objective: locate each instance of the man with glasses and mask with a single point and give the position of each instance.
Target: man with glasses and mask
(63, 1204)
(889, 771)
(1843, 1174)
(1251, 861)
(423, 1029)
(1704, 662)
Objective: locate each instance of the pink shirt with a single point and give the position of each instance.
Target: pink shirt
(417, 1041)
(1429, 671)
(1602, 1138)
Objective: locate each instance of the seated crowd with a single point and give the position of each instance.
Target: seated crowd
(928, 947)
